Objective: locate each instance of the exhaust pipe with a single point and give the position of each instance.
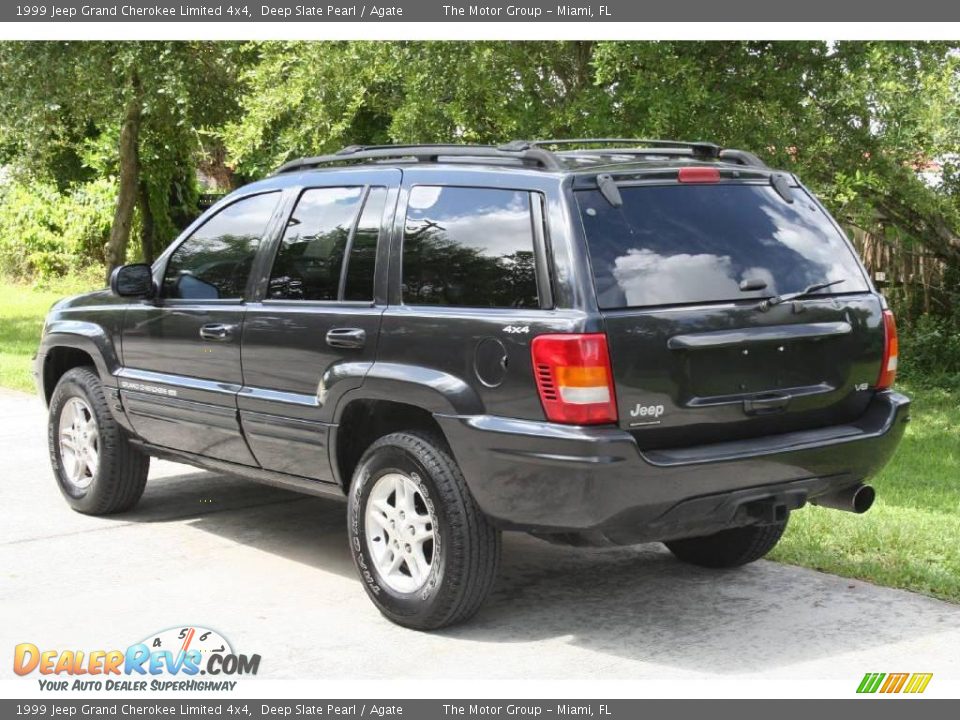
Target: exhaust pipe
(856, 499)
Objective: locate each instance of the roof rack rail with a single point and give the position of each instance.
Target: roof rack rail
(744, 157)
(702, 148)
(428, 153)
(645, 146)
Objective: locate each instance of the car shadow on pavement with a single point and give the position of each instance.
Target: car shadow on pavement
(637, 603)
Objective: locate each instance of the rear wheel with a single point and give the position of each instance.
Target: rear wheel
(98, 471)
(728, 548)
(426, 553)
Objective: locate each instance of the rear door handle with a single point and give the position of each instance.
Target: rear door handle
(346, 338)
(217, 331)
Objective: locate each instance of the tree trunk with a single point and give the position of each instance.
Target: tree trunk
(129, 180)
(148, 239)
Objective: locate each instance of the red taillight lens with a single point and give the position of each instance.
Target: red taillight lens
(888, 369)
(574, 378)
(698, 175)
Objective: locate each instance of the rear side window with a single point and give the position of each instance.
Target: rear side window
(469, 247)
(310, 256)
(214, 263)
(672, 244)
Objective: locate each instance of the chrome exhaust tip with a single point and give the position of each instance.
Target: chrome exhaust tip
(856, 499)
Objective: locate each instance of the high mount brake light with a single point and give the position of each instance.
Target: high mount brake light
(574, 378)
(888, 368)
(698, 175)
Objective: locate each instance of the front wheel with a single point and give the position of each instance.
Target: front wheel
(729, 548)
(425, 552)
(97, 469)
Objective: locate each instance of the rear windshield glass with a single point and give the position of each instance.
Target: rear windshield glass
(672, 244)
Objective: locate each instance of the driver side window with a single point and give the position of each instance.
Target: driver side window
(215, 262)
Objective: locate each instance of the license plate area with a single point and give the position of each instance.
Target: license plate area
(757, 368)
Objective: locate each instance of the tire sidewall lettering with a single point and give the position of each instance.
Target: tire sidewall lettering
(356, 530)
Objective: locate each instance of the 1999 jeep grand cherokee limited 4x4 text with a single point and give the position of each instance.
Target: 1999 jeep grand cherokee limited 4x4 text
(631, 341)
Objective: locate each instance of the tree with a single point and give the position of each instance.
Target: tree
(856, 120)
(307, 98)
(133, 109)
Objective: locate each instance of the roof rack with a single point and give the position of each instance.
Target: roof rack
(527, 152)
(429, 153)
(645, 146)
(705, 149)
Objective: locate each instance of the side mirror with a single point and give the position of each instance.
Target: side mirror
(132, 281)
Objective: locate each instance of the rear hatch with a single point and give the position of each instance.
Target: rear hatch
(681, 271)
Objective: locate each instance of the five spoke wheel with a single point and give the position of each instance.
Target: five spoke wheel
(79, 443)
(401, 532)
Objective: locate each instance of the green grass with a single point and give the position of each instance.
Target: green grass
(22, 309)
(910, 539)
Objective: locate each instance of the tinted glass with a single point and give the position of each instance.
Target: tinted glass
(697, 243)
(469, 247)
(363, 252)
(310, 257)
(214, 262)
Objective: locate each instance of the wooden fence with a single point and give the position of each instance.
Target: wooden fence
(917, 277)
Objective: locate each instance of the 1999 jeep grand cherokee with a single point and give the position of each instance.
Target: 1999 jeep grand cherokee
(626, 342)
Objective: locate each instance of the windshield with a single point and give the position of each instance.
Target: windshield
(673, 244)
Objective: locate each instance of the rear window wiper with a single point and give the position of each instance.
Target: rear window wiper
(777, 300)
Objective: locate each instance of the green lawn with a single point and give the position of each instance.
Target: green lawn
(22, 309)
(910, 539)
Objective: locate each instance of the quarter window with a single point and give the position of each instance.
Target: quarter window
(469, 247)
(214, 263)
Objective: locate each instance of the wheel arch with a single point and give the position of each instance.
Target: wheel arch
(62, 351)
(362, 420)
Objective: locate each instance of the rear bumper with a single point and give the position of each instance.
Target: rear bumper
(550, 478)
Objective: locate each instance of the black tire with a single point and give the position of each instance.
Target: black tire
(728, 548)
(466, 553)
(122, 468)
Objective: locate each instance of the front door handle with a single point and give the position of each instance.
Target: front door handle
(217, 331)
(346, 338)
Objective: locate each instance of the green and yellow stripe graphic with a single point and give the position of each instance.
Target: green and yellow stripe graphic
(894, 682)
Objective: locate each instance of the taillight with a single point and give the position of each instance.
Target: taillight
(574, 378)
(698, 175)
(888, 369)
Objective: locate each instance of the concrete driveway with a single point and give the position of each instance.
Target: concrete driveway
(270, 570)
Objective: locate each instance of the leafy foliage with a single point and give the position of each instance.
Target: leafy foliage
(66, 108)
(860, 122)
(846, 116)
(45, 233)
